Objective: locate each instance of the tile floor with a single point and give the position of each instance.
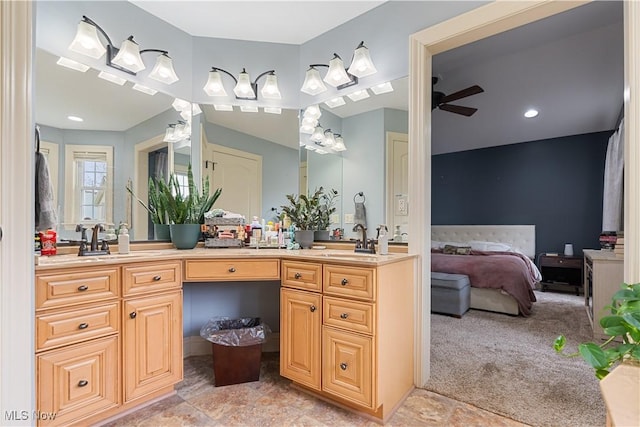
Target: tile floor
(272, 402)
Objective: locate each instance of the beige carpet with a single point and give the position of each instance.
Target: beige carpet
(507, 365)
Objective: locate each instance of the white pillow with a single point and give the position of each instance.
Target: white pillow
(477, 245)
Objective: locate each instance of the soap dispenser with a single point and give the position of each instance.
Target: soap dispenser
(383, 240)
(123, 239)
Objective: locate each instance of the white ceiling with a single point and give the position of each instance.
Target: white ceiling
(292, 22)
(568, 65)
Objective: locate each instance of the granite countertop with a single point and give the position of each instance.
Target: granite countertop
(319, 255)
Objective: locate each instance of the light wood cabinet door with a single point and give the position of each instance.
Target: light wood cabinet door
(151, 277)
(78, 381)
(300, 327)
(347, 366)
(152, 339)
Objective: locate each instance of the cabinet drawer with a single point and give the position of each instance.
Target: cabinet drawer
(70, 287)
(67, 327)
(556, 261)
(232, 269)
(352, 315)
(151, 277)
(349, 281)
(347, 366)
(78, 381)
(302, 275)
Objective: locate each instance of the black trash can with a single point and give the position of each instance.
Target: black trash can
(237, 348)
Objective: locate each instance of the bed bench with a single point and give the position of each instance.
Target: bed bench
(450, 293)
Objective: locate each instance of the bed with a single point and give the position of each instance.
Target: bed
(495, 296)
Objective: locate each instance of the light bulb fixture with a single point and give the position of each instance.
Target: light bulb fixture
(339, 145)
(329, 139)
(176, 132)
(127, 58)
(312, 111)
(244, 88)
(317, 135)
(337, 76)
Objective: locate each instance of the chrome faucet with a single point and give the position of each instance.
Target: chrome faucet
(364, 245)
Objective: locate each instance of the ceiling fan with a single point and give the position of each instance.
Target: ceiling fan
(441, 101)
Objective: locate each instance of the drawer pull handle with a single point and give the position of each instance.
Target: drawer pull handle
(133, 314)
(83, 326)
(343, 366)
(157, 278)
(232, 269)
(83, 288)
(297, 275)
(312, 308)
(83, 383)
(344, 282)
(344, 315)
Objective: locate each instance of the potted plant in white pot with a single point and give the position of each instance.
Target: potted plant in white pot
(186, 210)
(616, 361)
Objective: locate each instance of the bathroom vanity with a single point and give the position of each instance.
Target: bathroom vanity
(109, 334)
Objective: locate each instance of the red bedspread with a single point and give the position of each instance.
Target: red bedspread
(509, 271)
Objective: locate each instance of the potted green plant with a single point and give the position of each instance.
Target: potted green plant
(322, 206)
(157, 209)
(186, 209)
(622, 327)
(310, 213)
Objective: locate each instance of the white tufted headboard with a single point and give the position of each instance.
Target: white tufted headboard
(521, 237)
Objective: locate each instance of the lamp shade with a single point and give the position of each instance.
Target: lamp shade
(329, 139)
(129, 56)
(169, 134)
(336, 75)
(339, 145)
(270, 89)
(318, 134)
(214, 85)
(312, 111)
(87, 42)
(313, 83)
(243, 88)
(163, 70)
(361, 65)
(180, 104)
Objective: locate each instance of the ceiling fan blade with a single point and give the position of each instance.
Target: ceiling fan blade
(473, 90)
(458, 109)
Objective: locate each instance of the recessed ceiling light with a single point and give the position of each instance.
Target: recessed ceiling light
(70, 63)
(273, 110)
(144, 89)
(75, 118)
(111, 78)
(358, 95)
(382, 88)
(223, 107)
(530, 113)
(310, 147)
(335, 102)
(248, 109)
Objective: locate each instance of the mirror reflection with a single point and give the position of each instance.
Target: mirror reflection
(375, 163)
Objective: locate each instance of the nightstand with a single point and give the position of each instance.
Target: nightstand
(561, 270)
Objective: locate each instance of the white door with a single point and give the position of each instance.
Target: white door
(239, 174)
(397, 182)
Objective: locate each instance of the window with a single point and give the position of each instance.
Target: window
(180, 173)
(88, 184)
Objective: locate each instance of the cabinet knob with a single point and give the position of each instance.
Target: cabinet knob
(297, 275)
(157, 278)
(83, 326)
(82, 383)
(344, 282)
(232, 269)
(344, 315)
(312, 308)
(343, 366)
(133, 314)
(83, 288)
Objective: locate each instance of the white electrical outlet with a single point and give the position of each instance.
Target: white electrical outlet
(334, 218)
(348, 218)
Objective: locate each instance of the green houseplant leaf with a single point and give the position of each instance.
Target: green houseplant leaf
(188, 208)
(157, 205)
(311, 211)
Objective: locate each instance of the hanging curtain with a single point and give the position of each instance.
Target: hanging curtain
(161, 166)
(613, 179)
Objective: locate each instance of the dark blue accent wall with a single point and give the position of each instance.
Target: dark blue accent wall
(555, 184)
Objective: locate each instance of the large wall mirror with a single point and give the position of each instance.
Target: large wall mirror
(375, 162)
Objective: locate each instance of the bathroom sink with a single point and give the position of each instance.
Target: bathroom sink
(73, 258)
(351, 255)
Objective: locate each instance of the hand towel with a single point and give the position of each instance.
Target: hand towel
(360, 216)
(45, 215)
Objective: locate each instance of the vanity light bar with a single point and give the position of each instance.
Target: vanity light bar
(70, 63)
(111, 78)
(144, 89)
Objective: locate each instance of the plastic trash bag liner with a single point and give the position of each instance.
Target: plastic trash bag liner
(235, 332)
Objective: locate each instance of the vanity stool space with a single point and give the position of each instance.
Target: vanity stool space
(108, 338)
(450, 293)
(346, 332)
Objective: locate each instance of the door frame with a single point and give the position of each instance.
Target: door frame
(477, 24)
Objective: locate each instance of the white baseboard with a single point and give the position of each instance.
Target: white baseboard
(198, 346)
